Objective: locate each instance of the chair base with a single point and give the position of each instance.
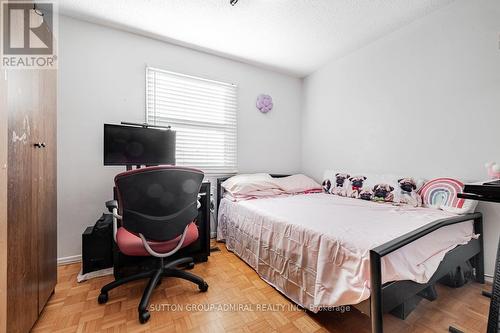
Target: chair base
(155, 277)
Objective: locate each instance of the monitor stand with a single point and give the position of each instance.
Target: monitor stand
(129, 167)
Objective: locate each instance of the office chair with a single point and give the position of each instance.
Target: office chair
(156, 207)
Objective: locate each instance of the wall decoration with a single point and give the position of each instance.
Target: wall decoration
(264, 103)
(493, 170)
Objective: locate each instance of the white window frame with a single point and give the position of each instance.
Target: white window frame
(228, 126)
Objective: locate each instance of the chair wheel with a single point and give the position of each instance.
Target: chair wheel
(103, 298)
(190, 265)
(203, 287)
(144, 317)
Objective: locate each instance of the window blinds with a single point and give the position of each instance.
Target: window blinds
(202, 112)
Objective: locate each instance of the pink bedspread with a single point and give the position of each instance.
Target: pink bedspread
(315, 248)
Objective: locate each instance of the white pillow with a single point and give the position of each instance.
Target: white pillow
(296, 183)
(273, 192)
(245, 183)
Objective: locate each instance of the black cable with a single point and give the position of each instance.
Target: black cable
(212, 215)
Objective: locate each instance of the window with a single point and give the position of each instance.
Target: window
(202, 112)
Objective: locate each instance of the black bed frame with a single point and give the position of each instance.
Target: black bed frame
(394, 296)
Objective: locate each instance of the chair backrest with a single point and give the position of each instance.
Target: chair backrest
(158, 202)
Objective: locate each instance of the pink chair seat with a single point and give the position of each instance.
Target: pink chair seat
(131, 245)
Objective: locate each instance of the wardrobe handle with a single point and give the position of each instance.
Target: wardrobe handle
(40, 145)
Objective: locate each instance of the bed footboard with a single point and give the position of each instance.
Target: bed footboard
(386, 297)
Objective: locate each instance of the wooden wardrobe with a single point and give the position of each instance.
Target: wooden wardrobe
(28, 199)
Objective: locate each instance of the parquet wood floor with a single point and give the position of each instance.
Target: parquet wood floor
(74, 307)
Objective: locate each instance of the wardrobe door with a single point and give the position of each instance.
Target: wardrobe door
(22, 267)
(3, 201)
(45, 171)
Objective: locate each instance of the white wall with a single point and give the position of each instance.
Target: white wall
(422, 101)
(101, 80)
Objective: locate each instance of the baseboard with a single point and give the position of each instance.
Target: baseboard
(488, 278)
(69, 260)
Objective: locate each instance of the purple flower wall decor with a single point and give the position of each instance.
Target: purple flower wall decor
(264, 103)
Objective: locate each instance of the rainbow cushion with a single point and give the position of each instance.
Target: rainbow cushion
(442, 193)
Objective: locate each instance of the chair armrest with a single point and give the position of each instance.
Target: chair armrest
(111, 204)
(167, 254)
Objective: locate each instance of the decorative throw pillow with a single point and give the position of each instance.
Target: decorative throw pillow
(340, 184)
(356, 184)
(326, 185)
(383, 192)
(442, 193)
(406, 192)
(375, 187)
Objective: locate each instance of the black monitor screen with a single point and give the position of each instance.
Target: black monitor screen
(129, 145)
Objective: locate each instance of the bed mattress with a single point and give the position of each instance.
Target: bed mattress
(314, 248)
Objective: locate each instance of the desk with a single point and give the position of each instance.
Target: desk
(489, 192)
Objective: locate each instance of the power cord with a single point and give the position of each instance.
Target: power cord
(212, 214)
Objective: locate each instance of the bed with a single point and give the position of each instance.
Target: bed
(324, 251)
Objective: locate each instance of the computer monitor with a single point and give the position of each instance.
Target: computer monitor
(138, 145)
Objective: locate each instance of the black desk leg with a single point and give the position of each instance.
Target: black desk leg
(494, 315)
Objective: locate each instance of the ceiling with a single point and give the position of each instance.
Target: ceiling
(292, 36)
